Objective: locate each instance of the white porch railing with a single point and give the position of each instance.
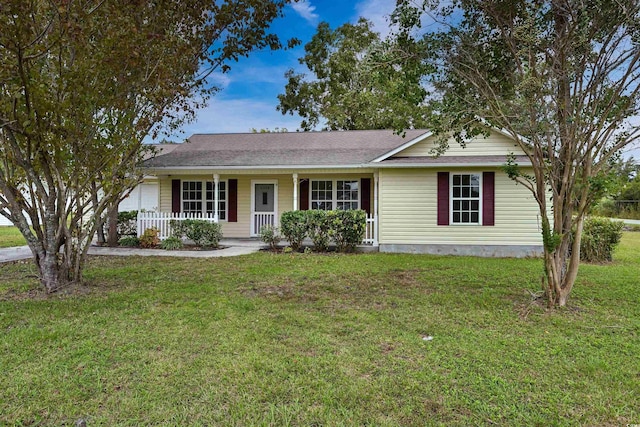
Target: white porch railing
(260, 219)
(162, 221)
(370, 237)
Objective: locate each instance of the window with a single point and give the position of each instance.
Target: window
(347, 197)
(222, 199)
(194, 199)
(191, 197)
(334, 194)
(322, 195)
(465, 198)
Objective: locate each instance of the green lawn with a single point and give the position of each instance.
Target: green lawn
(321, 340)
(10, 236)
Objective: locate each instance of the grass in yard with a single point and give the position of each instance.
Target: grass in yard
(321, 340)
(10, 236)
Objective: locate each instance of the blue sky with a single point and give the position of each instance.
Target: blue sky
(248, 96)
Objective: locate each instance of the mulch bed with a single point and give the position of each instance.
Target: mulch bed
(184, 248)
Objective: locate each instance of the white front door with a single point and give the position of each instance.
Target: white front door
(264, 205)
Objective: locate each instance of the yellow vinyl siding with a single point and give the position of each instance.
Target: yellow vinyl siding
(494, 145)
(165, 194)
(408, 212)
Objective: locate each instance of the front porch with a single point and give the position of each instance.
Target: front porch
(162, 221)
(247, 200)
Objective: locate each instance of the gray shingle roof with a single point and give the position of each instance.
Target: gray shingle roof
(161, 149)
(332, 149)
(283, 149)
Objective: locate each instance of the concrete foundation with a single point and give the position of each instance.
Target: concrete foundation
(488, 251)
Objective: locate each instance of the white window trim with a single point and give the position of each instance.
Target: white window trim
(465, 224)
(334, 191)
(204, 196)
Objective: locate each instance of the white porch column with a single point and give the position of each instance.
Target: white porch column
(216, 181)
(375, 208)
(158, 177)
(295, 191)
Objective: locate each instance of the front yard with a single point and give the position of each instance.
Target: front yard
(296, 339)
(10, 236)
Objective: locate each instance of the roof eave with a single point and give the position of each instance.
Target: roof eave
(352, 166)
(402, 147)
(262, 167)
(442, 165)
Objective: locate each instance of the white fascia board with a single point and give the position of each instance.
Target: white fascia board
(445, 165)
(402, 147)
(199, 169)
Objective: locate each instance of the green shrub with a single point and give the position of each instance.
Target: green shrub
(629, 213)
(172, 243)
(606, 208)
(319, 229)
(600, 236)
(202, 233)
(127, 223)
(631, 192)
(270, 235)
(129, 241)
(177, 228)
(293, 226)
(149, 238)
(347, 228)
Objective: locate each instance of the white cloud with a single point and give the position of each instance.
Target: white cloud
(306, 10)
(237, 116)
(262, 73)
(378, 12)
(219, 79)
(632, 150)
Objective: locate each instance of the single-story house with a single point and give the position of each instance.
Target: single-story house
(458, 203)
(5, 222)
(145, 196)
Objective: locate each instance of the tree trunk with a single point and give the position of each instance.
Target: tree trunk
(112, 239)
(51, 273)
(100, 231)
(561, 267)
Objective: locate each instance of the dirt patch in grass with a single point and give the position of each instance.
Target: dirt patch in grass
(355, 291)
(184, 248)
(412, 278)
(37, 293)
(20, 282)
(535, 303)
(280, 291)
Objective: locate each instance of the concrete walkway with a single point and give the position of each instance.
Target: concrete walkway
(628, 221)
(232, 247)
(14, 254)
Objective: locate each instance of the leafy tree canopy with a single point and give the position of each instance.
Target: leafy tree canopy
(560, 76)
(82, 83)
(355, 82)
